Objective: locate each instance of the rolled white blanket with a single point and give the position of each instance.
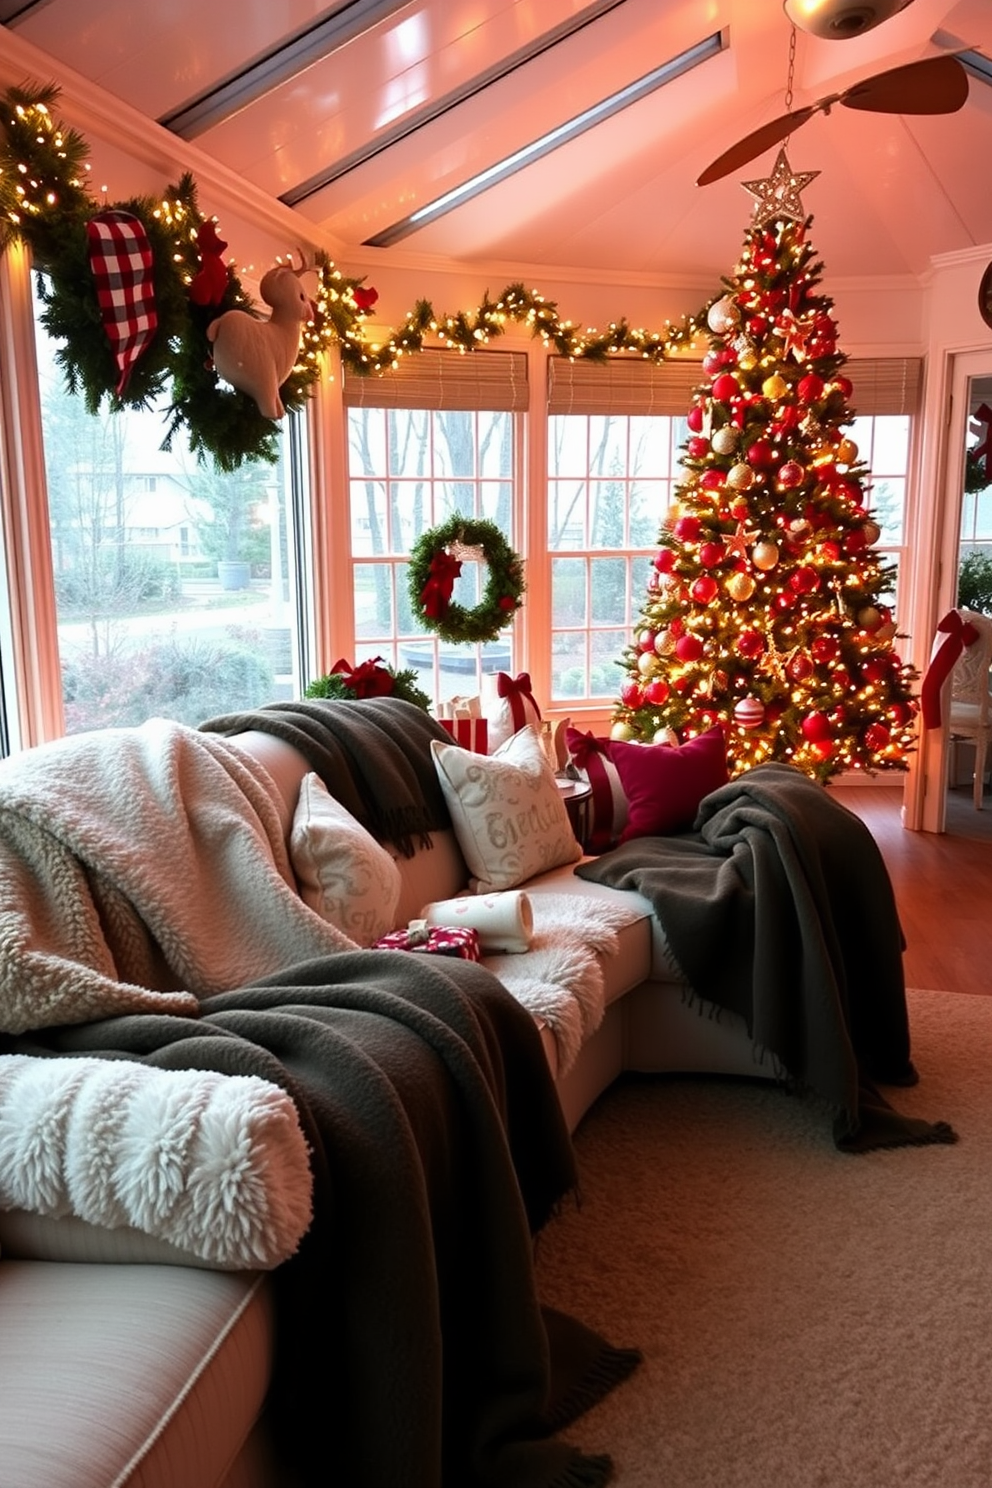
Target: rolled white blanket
(504, 921)
(215, 1164)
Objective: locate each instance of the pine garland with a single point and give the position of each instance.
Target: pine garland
(46, 202)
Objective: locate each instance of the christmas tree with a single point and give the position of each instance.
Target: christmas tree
(765, 613)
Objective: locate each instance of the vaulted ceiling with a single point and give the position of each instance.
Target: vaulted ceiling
(362, 114)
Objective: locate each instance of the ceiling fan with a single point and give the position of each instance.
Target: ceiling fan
(937, 85)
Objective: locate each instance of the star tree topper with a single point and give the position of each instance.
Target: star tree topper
(778, 195)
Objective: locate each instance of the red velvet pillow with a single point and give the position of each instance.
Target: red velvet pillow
(664, 783)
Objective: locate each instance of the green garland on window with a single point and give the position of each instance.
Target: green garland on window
(434, 565)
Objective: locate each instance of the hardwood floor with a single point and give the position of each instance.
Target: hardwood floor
(943, 886)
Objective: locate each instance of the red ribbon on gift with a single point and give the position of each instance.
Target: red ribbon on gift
(368, 679)
(953, 635)
(515, 689)
(436, 593)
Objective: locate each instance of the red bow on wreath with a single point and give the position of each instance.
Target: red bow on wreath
(436, 593)
(368, 679)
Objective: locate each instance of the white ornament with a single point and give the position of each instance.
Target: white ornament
(722, 316)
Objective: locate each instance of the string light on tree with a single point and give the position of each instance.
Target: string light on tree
(769, 609)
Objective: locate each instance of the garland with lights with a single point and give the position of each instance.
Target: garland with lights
(45, 201)
(436, 562)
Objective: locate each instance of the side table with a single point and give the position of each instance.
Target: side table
(577, 795)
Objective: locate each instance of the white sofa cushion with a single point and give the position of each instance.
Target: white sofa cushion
(344, 875)
(507, 811)
(149, 1376)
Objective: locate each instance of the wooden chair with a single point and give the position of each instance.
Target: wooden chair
(970, 709)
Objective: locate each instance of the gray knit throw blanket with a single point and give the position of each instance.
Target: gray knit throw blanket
(373, 754)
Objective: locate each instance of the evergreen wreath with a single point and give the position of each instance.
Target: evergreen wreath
(434, 565)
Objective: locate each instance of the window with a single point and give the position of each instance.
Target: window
(173, 585)
(437, 438)
(614, 433)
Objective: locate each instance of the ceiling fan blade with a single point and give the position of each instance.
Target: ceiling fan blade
(937, 85)
(756, 144)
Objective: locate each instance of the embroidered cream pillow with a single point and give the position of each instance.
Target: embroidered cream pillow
(343, 874)
(506, 810)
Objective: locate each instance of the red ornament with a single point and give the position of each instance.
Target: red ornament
(631, 694)
(687, 529)
(694, 418)
(791, 475)
(844, 386)
(711, 554)
(665, 561)
(809, 389)
(713, 480)
(750, 643)
(646, 641)
(816, 727)
(876, 670)
(704, 589)
(656, 692)
(506, 603)
(855, 542)
(800, 668)
(824, 649)
(804, 580)
(822, 748)
(725, 387)
(688, 648)
(697, 447)
(877, 737)
(761, 455)
(757, 326)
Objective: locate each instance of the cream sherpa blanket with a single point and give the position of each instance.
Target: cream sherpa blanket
(141, 869)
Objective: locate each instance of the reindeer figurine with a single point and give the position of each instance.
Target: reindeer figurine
(256, 356)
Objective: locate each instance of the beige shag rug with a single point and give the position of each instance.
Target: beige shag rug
(809, 1318)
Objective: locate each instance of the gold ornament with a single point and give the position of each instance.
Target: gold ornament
(764, 555)
(869, 618)
(623, 732)
(740, 477)
(847, 452)
(647, 664)
(740, 587)
(724, 440)
(777, 198)
(664, 643)
(664, 736)
(775, 387)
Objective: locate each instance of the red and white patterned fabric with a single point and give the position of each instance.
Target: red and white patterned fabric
(441, 940)
(121, 259)
(590, 759)
(470, 733)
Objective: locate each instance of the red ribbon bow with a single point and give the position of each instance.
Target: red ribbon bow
(436, 593)
(953, 634)
(584, 748)
(516, 689)
(368, 679)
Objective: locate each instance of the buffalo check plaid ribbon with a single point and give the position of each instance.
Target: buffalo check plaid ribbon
(121, 260)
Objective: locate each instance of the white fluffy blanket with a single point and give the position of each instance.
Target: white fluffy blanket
(560, 979)
(214, 1163)
(141, 869)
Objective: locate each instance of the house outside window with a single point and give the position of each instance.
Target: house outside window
(172, 579)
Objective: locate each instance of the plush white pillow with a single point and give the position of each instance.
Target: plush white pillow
(343, 873)
(506, 810)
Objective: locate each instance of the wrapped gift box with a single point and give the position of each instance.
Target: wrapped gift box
(434, 940)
